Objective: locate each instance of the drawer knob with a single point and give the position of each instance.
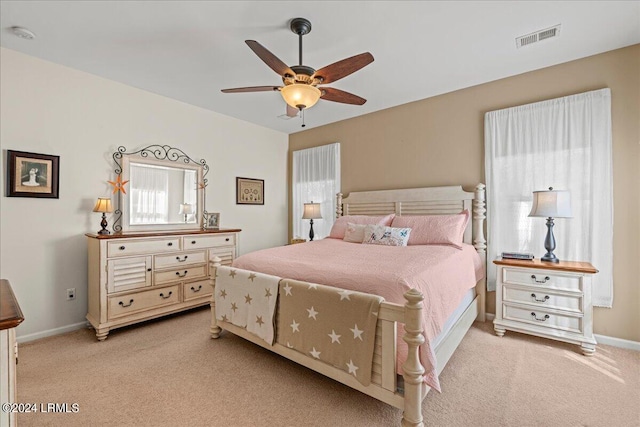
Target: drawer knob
(163, 297)
(127, 305)
(196, 290)
(546, 316)
(182, 260)
(181, 275)
(193, 242)
(148, 269)
(535, 298)
(170, 244)
(227, 239)
(121, 248)
(535, 279)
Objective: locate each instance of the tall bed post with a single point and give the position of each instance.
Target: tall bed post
(215, 329)
(480, 243)
(338, 205)
(413, 370)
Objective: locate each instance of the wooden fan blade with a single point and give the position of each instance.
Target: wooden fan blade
(270, 59)
(251, 89)
(343, 68)
(337, 95)
(291, 111)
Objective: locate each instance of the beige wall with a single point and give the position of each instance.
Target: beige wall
(439, 141)
(47, 108)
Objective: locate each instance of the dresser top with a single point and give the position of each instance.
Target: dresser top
(574, 266)
(124, 235)
(10, 313)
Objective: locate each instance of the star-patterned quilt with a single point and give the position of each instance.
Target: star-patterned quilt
(335, 326)
(247, 299)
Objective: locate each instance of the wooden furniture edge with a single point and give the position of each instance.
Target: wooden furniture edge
(573, 266)
(10, 312)
(125, 235)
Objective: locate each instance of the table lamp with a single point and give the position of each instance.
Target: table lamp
(185, 209)
(103, 205)
(311, 211)
(551, 204)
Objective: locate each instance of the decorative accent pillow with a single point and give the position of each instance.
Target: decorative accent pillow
(435, 229)
(354, 233)
(340, 226)
(381, 235)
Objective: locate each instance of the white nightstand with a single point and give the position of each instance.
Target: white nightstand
(550, 300)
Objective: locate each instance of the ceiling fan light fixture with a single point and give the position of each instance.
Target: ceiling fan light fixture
(300, 96)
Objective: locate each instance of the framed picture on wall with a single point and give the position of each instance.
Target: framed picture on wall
(32, 175)
(249, 191)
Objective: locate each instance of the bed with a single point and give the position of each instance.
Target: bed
(403, 334)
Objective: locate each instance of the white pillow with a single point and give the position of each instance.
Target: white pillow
(354, 233)
(389, 236)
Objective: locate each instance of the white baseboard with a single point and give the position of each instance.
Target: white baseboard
(618, 342)
(51, 332)
(602, 339)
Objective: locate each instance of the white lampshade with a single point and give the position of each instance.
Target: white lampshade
(103, 205)
(186, 209)
(300, 95)
(551, 204)
(311, 211)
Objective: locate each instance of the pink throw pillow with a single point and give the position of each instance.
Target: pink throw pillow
(340, 226)
(435, 229)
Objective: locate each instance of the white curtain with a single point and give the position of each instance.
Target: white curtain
(564, 143)
(149, 198)
(316, 178)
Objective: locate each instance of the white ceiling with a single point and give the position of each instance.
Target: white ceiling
(190, 50)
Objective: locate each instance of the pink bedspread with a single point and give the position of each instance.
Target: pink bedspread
(442, 273)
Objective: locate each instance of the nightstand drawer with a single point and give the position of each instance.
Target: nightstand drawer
(542, 278)
(543, 318)
(543, 298)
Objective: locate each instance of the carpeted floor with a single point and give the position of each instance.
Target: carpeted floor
(170, 373)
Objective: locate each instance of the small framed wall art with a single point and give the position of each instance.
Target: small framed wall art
(211, 220)
(249, 191)
(32, 175)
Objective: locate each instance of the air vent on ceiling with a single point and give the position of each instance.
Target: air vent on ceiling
(538, 36)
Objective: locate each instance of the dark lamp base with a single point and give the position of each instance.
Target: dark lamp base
(549, 259)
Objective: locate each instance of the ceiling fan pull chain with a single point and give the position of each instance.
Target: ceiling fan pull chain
(302, 114)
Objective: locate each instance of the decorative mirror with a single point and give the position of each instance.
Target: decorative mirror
(164, 189)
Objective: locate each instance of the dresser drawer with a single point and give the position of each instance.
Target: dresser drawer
(179, 274)
(542, 278)
(179, 259)
(137, 247)
(540, 317)
(145, 300)
(542, 298)
(199, 242)
(199, 289)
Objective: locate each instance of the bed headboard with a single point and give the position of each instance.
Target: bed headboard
(426, 201)
(421, 201)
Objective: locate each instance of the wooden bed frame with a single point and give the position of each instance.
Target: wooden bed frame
(384, 381)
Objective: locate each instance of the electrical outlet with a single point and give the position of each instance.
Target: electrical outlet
(71, 293)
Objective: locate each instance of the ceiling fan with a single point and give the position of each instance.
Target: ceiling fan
(300, 90)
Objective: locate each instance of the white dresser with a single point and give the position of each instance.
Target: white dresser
(551, 300)
(136, 277)
(10, 317)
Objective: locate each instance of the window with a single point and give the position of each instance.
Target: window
(149, 198)
(316, 178)
(563, 143)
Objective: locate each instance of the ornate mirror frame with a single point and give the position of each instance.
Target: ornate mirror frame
(159, 155)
